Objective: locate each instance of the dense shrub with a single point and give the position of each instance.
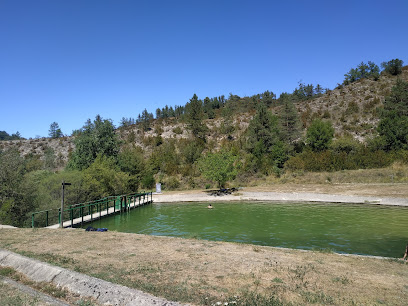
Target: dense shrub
(103, 178)
(335, 161)
(148, 181)
(346, 144)
(177, 130)
(171, 183)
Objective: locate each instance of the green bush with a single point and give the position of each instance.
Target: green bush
(335, 161)
(352, 108)
(346, 144)
(103, 178)
(148, 181)
(171, 183)
(177, 130)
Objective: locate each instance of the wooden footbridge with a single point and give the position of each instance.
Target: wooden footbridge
(87, 212)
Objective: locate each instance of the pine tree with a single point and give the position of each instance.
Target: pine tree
(262, 131)
(393, 126)
(145, 120)
(263, 140)
(394, 67)
(289, 123)
(54, 131)
(195, 115)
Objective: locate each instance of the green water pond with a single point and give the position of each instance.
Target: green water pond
(342, 228)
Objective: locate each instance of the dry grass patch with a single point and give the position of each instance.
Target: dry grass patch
(205, 272)
(10, 295)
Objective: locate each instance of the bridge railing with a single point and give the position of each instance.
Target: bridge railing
(118, 203)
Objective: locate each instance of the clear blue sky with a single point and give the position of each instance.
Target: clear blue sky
(67, 61)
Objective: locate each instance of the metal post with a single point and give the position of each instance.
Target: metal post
(32, 220)
(72, 217)
(46, 220)
(62, 204)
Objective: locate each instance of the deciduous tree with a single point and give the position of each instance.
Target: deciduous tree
(319, 135)
(218, 167)
(95, 138)
(16, 193)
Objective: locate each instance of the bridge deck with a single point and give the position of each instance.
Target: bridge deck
(97, 215)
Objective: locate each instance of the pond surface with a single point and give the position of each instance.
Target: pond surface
(343, 228)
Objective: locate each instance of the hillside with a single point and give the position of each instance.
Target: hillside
(37, 148)
(353, 109)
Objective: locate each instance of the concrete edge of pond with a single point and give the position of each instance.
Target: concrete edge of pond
(6, 226)
(279, 197)
(86, 286)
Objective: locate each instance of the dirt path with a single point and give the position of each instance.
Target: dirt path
(387, 194)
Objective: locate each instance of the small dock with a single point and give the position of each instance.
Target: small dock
(87, 212)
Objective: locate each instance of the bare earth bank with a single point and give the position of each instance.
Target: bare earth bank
(387, 194)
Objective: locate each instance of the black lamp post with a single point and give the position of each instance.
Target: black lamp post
(62, 204)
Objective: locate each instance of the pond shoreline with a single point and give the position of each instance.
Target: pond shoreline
(243, 195)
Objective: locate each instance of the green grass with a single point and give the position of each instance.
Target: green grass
(317, 298)
(6, 271)
(277, 280)
(9, 296)
(342, 280)
(251, 298)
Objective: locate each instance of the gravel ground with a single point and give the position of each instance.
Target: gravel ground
(242, 195)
